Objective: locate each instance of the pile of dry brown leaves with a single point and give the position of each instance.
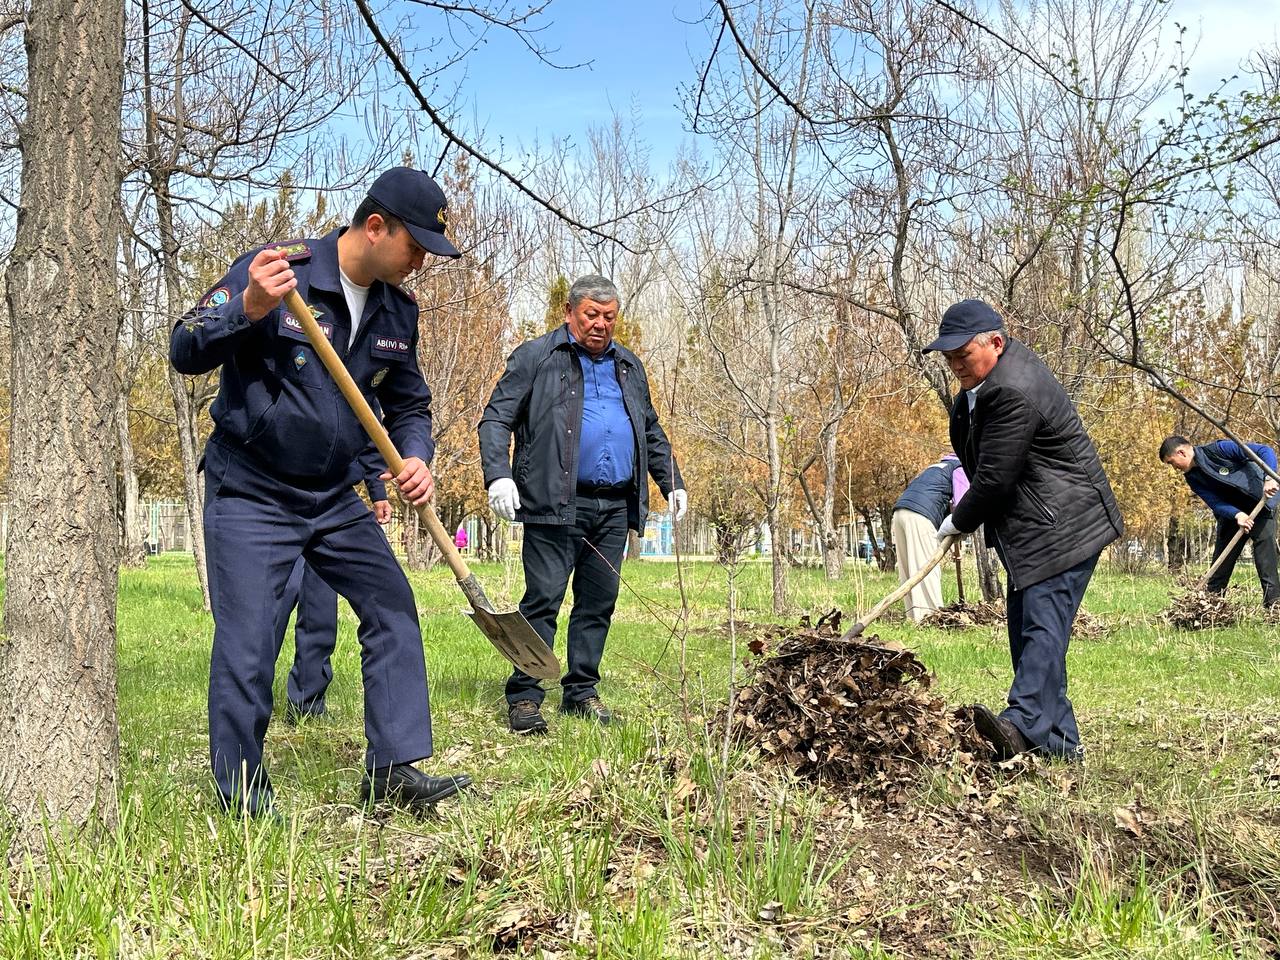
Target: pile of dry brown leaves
(854, 713)
(1196, 609)
(1088, 627)
(959, 615)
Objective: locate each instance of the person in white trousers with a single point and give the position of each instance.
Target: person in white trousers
(926, 501)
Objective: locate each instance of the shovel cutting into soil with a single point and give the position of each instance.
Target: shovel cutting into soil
(509, 632)
(874, 613)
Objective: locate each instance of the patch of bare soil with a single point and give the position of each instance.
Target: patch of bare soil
(913, 868)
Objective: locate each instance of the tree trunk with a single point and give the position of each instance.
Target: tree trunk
(59, 738)
(192, 485)
(988, 571)
(875, 540)
(1175, 546)
(132, 551)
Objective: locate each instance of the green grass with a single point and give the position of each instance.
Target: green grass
(641, 841)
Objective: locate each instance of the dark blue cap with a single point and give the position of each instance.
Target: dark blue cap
(962, 322)
(418, 202)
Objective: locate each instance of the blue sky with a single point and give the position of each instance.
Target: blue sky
(639, 52)
(642, 52)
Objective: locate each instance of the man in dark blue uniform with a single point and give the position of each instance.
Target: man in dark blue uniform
(1231, 483)
(587, 439)
(279, 469)
(315, 633)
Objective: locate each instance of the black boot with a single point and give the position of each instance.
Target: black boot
(1005, 738)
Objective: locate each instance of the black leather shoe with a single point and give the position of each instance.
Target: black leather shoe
(525, 717)
(1006, 739)
(405, 784)
(592, 708)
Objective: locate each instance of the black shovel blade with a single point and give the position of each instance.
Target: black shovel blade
(511, 634)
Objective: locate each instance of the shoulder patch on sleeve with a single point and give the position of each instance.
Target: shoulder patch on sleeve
(294, 250)
(215, 298)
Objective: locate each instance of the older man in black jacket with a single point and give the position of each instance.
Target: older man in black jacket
(586, 441)
(1038, 486)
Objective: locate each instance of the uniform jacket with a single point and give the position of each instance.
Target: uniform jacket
(276, 401)
(372, 467)
(539, 400)
(1035, 479)
(1227, 480)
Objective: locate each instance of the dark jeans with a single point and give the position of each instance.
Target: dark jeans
(1040, 618)
(591, 550)
(1263, 536)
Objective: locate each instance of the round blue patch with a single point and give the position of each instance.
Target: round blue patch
(217, 298)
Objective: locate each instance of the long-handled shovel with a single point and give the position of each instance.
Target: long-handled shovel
(510, 632)
(874, 614)
(1231, 545)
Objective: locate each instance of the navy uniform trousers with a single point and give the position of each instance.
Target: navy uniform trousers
(591, 550)
(256, 526)
(1263, 536)
(1040, 618)
(315, 634)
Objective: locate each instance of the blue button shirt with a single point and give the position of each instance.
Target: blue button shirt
(607, 443)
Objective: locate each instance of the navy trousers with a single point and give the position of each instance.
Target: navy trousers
(591, 550)
(256, 527)
(1040, 618)
(315, 634)
(1263, 536)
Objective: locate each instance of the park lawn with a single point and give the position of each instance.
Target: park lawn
(655, 839)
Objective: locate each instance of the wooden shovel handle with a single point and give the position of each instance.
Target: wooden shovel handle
(372, 425)
(1231, 544)
(902, 591)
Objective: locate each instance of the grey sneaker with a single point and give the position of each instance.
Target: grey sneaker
(525, 717)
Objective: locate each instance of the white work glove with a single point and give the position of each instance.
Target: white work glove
(504, 498)
(948, 529)
(679, 503)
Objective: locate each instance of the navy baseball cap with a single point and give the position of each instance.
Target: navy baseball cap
(962, 322)
(418, 202)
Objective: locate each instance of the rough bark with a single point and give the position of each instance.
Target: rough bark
(59, 738)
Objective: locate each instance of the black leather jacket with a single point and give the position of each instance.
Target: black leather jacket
(1035, 479)
(539, 400)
